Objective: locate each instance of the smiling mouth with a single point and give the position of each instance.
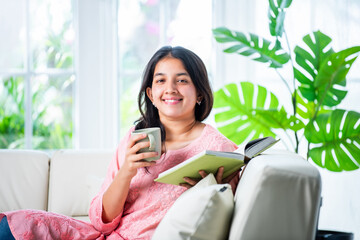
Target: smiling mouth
(172, 100)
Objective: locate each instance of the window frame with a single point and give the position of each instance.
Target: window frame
(27, 73)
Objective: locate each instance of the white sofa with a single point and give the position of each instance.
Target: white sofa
(278, 196)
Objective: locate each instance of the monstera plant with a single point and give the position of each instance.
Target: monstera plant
(245, 110)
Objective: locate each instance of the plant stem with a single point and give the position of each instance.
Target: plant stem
(293, 101)
(307, 152)
(295, 132)
(292, 65)
(287, 85)
(293, 95)
(291, 142)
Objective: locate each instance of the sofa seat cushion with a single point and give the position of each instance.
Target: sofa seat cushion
(24, 180)
(75, 177)
(82, 218)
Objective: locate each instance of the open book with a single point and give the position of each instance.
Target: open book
(210, 161)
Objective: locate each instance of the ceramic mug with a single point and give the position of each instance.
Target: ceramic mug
(154, 137)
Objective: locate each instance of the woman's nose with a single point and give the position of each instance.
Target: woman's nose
(171, 87)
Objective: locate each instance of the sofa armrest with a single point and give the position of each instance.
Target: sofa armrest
(23, 180)
(278, 197)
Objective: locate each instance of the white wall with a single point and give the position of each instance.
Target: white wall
(341, 201)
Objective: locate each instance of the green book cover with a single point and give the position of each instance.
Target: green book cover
(209, 161)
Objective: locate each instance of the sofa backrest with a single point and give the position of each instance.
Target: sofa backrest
(24, 179)
(75, 178)
(278, 197)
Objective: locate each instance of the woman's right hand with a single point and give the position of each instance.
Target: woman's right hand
(133, 159)
(115, 196)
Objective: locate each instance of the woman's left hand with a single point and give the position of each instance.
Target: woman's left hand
(219, 178)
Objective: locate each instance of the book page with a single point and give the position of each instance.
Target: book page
(258, 146)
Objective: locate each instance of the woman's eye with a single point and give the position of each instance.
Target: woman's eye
(182, 81)
(159, 80)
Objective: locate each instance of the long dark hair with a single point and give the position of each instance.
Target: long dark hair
(198, 74)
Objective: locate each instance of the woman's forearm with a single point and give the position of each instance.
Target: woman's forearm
(115, 196)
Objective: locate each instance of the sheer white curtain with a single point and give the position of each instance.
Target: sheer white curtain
(341, 21)
(337, 19)
(96, 89)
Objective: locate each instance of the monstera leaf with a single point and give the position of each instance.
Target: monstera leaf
(242, 112)
(337, 140)
(309, 62)
(332, 73)
(305, 109)
(280, 119)
(277, 15)
(259, 49)
(321, 73)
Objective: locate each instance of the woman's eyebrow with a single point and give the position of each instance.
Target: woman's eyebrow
(159, 74)
(182, 74)
(178, 74)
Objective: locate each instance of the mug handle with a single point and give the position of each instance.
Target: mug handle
(152, 142)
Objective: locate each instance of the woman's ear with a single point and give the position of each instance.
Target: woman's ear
(149, 93)
(199, 99)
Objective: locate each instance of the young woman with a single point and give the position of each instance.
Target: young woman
(176, 96)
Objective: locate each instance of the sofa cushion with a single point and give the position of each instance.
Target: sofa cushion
(278, 197)
(202, 212)
(75, 177)
(24, 179)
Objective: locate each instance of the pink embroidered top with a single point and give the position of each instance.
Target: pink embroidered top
(146, 204)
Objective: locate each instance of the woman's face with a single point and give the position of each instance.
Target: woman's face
(173, 92)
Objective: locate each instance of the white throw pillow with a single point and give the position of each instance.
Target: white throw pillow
(202, 212)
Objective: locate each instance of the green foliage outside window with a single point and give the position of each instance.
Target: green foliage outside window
(51, 85)
(46, 134)
(12, 113)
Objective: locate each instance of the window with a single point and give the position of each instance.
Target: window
(51, 99)
(153, 24)
(36, 74)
